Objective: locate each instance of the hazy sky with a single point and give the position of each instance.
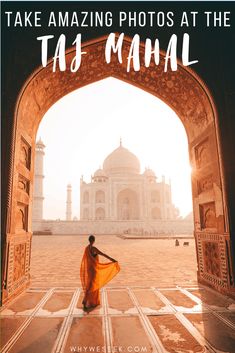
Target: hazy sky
(82, 128)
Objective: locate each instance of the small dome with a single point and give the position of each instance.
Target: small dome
(40, 144)
(149, 173)
(99, 173)
(120, 161)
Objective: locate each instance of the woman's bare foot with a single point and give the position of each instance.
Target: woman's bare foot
(84, 305)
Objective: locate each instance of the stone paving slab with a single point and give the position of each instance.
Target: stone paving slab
(174, 336)
(230, 317)
(129, 319)
(39, 336)
(149, 301)
(130, 335)
(58, 301)
(85, 332)
(119, 302)
(26, 302)
(212, 299)
(218, 334)
(9, 325)
(178, 298)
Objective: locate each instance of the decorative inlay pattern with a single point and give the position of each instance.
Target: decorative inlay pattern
(211, 258)
(215, 275)
(19, 261)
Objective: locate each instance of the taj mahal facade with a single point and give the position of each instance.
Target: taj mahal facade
(119, 199)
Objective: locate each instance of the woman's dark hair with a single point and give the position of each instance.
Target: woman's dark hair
(91, 238)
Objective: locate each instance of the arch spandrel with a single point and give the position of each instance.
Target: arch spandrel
(179, 89)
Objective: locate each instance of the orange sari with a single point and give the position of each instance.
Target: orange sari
(95, 275)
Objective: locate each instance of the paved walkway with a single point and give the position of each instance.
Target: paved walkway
(154, 304)
(145, 262)
(129, 319)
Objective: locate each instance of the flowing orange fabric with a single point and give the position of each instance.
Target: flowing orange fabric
(95, 275)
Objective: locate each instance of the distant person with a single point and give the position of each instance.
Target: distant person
(95, 274)
(177, 243)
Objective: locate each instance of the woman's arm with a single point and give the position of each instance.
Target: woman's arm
(97, 251)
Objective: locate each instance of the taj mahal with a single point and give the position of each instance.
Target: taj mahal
(120, 192)
(119, 199)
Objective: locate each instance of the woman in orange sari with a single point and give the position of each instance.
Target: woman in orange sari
(95, 274)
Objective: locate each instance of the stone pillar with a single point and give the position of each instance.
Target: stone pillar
(81, 198)
(170, 202)
(163, 212)
(69, 203)
(38, 198)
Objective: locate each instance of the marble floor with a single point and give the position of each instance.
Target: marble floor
(154, 304)
(129, 319)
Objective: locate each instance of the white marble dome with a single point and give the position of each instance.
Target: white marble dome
(149, 173)
(99, 173)
(120, 161)
(40, 143)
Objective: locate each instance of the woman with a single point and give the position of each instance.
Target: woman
(95, 274)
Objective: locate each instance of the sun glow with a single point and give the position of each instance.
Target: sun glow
(82, 128)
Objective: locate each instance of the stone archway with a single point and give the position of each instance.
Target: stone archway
(127, 205)
(100, 213)
(184, 92)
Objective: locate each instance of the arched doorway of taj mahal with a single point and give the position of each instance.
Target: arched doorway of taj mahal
(187, 95)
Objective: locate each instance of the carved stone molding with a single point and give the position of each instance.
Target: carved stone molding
(23, 184)
(208, 216)
(21, 217)
(25, 153)
(202, 154)
(205, 184)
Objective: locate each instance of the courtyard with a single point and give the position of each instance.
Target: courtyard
(154, 304)
(144, 262)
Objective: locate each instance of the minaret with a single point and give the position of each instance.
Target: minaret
(69, 203)
(38, 198)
